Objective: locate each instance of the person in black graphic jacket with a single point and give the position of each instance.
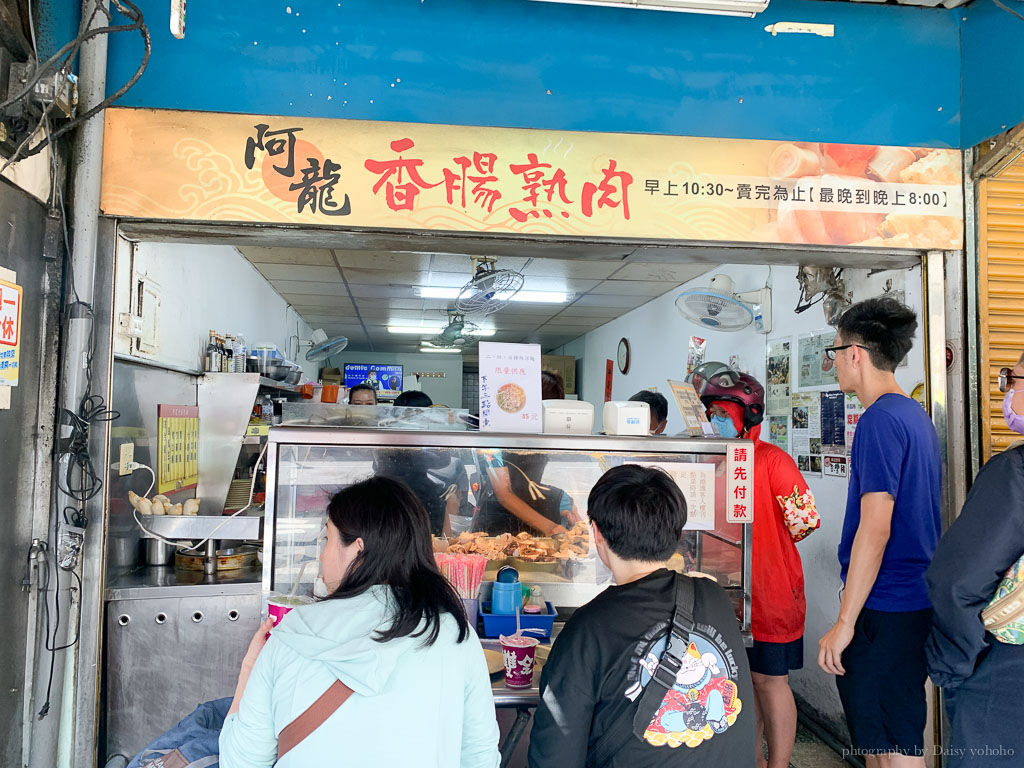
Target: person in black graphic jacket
(608, 651)
(982, 678)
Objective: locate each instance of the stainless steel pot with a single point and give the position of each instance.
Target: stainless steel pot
(158, 552)
(277, 371)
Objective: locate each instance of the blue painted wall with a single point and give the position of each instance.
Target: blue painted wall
(992, 62)
(882, 79)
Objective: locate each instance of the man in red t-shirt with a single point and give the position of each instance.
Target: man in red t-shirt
(735, 403)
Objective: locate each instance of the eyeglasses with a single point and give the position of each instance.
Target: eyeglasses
(830, 352)
(1006, 379)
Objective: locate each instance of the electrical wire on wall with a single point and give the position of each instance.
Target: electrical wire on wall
(79, 481)
(63, 61)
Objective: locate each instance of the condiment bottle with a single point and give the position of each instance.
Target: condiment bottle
(212, 354)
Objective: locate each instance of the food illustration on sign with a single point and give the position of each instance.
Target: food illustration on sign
(511, 398)
(856, 195)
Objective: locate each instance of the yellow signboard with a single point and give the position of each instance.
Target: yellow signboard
(10, 333)
(198, 166)
(178, 447)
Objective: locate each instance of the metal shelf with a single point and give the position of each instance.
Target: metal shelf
(201, 526)
(280, 386)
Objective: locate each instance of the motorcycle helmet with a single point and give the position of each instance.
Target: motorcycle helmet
(717, 381)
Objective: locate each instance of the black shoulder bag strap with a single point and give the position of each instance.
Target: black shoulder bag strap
(634, 720)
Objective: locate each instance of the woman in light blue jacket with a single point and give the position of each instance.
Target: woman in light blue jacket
(393, 631)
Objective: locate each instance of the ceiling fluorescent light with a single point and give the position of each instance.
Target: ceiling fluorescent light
(541, 297)
(443, 350)
(530, 297)
(417, 330)
(433, 330)
(747, 8)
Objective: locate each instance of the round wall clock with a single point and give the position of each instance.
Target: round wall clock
(623, 355)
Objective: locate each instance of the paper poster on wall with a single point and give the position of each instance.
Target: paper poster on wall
(697, 482)
(854, 410)
(779, 382)
(833, 423)
(778, 431)
(809, 465)
(510, 387)
(10, 332)
(816, 370)
(806, 424)
(834, 466)
(609, 374)
(695, 355)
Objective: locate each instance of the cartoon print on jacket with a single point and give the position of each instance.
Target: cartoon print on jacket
(704, 700)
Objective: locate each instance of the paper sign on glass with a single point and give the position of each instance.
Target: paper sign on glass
(510, 396)
(697, 482)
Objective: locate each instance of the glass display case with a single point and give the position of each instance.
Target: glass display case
(518, 499)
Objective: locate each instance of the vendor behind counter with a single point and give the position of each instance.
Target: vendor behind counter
(438, 477)
(516, 500)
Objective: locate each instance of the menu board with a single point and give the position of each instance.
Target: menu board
(177, 447)
(691, 409)
(510, 395)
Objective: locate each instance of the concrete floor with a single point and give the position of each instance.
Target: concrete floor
(809, 752)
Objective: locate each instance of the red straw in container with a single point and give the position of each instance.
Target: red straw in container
(464, 572)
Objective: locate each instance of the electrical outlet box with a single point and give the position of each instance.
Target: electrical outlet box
(127, 457)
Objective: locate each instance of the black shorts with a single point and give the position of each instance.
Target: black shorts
(883, 688)
(776, 659)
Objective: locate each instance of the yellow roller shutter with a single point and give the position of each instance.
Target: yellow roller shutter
(1001, 285)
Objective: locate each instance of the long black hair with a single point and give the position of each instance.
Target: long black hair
(395, 530)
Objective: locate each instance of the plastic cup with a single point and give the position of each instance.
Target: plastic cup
(279, 605)
(472, 606)
(520, 656)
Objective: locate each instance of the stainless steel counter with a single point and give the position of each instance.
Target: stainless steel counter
(167, 581)
(514, 697)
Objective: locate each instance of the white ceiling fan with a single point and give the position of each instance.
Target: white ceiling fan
(719, 308)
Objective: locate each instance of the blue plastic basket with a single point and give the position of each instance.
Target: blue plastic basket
(503, 624)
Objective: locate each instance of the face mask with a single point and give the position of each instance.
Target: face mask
(726, 427)
(1013, 419)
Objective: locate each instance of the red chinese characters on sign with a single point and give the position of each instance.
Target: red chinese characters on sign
(739, 499)
(10, 315)
(615, 184)
(473, 179)
(536, 178)
(478, 172)
(400, 194)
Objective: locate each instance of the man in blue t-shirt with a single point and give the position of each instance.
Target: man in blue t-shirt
(892, 526)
